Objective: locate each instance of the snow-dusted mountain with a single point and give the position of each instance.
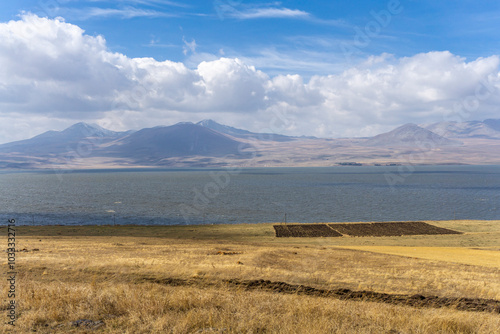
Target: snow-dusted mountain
(244, 134)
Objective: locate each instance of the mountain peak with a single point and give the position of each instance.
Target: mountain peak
(409, 129)
(183, 139)
(211, 124)
(208, 122)
(244, 134)
(410, 135)
(59, 142)
(88, 130)
(409, 126)
(185, 123)
(82, 125)
(229, 130)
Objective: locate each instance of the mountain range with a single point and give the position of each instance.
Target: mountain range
(210, 144)
(58, 142)
(489, 128)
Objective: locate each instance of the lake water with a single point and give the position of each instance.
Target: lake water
(336, 194)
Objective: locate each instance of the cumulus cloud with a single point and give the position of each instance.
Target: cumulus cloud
(52, 70)
(423, 87)
(49, 66)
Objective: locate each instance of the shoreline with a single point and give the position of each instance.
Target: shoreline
(474, 233)
(69, 169)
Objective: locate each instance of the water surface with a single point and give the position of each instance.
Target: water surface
(335, 194)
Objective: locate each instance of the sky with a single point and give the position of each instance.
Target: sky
(317, 68)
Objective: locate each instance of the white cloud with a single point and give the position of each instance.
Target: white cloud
(231, 85)
(50, 66)
(126, 9)
(260, 13)
(155, 3)
(126, 13)
(52, 74)
(244, 11)
(423, 87)
(249, 11)
(275, 61)
(188, 46)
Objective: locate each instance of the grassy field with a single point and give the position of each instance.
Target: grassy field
(157, 279)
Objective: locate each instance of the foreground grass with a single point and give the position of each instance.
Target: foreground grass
(105, 273)
(152, 308)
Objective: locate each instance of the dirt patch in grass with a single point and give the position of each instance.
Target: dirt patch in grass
(305, 230)
(462, 304)
(416, 300)
(360, 229)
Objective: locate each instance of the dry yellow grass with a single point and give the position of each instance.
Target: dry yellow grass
(472, 256)
(107, 274)
(153, 308)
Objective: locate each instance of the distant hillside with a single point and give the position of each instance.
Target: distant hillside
(410, 135)
(208, 123)
(60, 142)
(493, 123)
(244, 134)
(489, 128)
(210, 144)
(179, 140)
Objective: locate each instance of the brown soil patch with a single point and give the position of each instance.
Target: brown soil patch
(389, 229)
(305, 230)
(359, 229)
(462, 304)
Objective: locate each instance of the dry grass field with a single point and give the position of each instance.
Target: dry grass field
(214, 279)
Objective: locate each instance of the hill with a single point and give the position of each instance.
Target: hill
(60, 142)
(179, 140)
(410, 135)
(243, 134)
(489, 128)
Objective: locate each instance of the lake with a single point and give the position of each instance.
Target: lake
(251, 195)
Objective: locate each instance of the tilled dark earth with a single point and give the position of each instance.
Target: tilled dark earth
(305, 230)
(359, 229)
(462, 304)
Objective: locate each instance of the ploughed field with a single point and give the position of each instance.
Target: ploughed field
(383, 229)
(305, 230)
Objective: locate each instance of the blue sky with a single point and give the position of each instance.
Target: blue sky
(310, 32)
(297, 57)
